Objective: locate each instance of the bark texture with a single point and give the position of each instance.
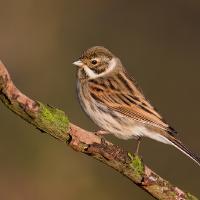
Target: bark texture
(54, 122)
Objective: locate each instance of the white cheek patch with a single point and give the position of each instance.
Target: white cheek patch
(89, 72)
(93, 75)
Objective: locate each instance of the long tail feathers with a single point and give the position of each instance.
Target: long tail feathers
(179, 145)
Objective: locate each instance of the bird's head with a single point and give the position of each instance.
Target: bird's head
(96, 62)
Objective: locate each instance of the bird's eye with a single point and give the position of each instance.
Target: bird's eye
(94, 62)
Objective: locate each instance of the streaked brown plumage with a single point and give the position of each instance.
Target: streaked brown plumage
(116, 104)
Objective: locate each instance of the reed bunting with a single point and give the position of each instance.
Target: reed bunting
(113, 100)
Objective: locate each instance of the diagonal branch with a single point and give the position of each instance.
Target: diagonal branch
(54, 122)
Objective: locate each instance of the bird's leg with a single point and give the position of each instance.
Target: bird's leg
(138, 146)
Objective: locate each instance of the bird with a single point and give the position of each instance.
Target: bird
(116, 104)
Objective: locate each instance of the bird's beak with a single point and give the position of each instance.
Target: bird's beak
(78, 63)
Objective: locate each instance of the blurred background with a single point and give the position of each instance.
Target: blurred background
(157, 41)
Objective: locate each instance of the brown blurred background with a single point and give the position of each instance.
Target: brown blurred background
(159, 43)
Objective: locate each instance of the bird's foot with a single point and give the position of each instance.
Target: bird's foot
(100, 134)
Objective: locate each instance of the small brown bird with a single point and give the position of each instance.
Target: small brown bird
(113, 100)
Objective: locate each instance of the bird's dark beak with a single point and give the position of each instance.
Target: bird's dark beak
(78, 63)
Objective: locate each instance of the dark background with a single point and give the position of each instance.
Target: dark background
(158, 42)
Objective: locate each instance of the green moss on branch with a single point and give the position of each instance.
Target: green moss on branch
(53, 121)
(137, 165)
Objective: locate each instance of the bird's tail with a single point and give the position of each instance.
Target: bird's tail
(179, 145)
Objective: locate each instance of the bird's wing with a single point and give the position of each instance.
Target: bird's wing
(132, 105)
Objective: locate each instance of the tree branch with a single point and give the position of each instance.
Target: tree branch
(54, 122)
